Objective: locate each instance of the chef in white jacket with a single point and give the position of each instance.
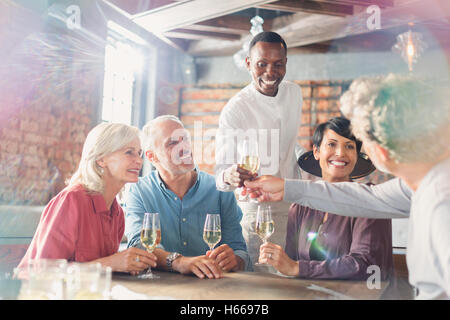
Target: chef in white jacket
(267, 110)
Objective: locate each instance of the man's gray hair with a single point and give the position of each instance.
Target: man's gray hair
(403, 114)
(148, 131)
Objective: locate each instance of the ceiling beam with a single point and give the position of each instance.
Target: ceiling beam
(336, 27)
(179, 44)
(226, 24)
(198, 35)
(133, 7)
(309, 6)
(114, 13)
(380, 3)
(303, 29)
(230, 24)
(313, 48)
(185, 13)
(212, 28)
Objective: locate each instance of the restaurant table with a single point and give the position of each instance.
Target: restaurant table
(247, 286)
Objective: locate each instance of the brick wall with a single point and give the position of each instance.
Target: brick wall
(46, 110)
(204, 103)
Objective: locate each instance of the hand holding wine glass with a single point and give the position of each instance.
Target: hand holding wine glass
(212, 233)
(150, 238)
(264, 227)
(250, 160)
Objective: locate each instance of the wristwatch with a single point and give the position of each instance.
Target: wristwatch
(171, 258)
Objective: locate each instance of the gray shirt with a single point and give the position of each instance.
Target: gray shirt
(428, 255)
(391, 199)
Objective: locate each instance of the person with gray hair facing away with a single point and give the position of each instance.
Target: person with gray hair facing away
(183, 196)
(403, 123)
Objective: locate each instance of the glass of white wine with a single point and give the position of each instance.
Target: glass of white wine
(87, 281)
(264, 225)
(42, 279)
(150, 238)
(212, 233)
(250, 160)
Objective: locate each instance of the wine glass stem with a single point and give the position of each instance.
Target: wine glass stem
(149, 270)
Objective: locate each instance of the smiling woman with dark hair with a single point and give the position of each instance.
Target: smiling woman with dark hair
(327, 246)
(339, 125)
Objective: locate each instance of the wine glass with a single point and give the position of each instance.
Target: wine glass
(250, 161)
(212, 233)
(150, 238)
(88, 281)
(42, 279)
(264, 226)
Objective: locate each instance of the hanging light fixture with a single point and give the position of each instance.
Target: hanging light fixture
(239, 57)
(410, 46)
(257, 23)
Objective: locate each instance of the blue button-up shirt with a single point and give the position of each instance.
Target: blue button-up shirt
(182, 221)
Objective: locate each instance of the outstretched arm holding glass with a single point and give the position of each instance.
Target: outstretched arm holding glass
(390, 199)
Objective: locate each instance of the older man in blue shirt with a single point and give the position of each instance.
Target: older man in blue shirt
(183, 195)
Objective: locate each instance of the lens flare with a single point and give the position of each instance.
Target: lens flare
(312, 236)
(322, 252)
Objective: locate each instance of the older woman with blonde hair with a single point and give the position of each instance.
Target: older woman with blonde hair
(84, 222)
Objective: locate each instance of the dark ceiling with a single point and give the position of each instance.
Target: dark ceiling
(220, 27)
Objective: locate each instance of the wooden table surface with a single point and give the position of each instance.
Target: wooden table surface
(248, 286)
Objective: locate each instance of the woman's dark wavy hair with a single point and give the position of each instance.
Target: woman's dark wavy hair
(341, 126)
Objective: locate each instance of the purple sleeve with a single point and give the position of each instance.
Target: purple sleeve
(371, 245)
(292, 231)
